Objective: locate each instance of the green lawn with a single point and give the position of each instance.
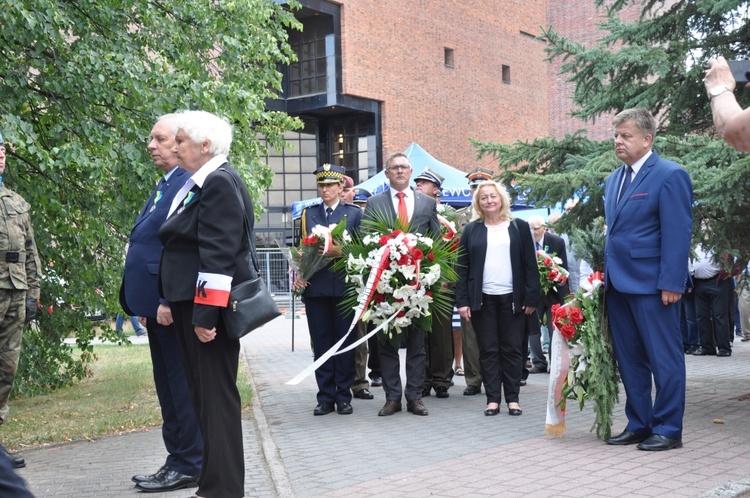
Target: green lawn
(118, 397)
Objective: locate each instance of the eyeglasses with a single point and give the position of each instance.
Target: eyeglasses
(399, 167)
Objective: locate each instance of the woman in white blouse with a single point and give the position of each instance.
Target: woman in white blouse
(498, 287)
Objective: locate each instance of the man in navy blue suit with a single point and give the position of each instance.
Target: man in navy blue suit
(647, 202)
(139, 296)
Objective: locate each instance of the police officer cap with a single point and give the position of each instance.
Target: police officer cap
(361, 195)
(478, 175)
(430, 176)
(329, 173)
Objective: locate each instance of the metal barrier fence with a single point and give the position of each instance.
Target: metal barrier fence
(274, 269)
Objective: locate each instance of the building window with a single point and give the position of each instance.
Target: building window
(448, 57)
(352, 145)
(308, 76)
(506, 74)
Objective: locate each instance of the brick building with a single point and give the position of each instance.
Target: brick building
(374, 76)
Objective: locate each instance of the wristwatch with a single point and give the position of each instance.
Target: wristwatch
(717, 90)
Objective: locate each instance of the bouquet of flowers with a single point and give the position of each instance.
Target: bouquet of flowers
(308, 258)
(448, 218)
(552, 275)
(396, 277)
(592, 373)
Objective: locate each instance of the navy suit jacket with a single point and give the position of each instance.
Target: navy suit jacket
(649, 231)
(325, 282)
(139, 294)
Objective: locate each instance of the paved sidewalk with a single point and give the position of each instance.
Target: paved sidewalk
(455, 451)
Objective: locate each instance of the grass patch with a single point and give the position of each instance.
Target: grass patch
(119, 397)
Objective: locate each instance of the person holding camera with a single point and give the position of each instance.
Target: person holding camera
(731, 121)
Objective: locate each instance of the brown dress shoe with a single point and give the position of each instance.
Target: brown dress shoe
(416, 407)
(389, 408)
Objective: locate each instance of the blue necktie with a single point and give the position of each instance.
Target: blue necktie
(626, 183)
(328, 215)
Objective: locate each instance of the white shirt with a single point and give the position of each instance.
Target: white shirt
(704, 266)
(408, 198)
(198, 178)
(497, 278)
(636, 167)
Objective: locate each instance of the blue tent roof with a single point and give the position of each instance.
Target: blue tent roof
(455, 188)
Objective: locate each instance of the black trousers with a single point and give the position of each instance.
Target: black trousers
(500, 335)
(712, 305)
(211, 370)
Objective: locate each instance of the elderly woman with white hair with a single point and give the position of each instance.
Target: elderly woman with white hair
(205, 250)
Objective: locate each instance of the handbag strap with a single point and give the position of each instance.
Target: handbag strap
(248, 231)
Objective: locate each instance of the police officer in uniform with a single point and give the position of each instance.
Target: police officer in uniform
(19, 288)
(322, 295)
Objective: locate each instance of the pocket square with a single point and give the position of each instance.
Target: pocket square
(640, 195)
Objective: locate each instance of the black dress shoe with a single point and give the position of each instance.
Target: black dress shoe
(538, 370)
(168, 482)
(514, 412)
(157, 475)
(376, 381)
(657, 442)
(389, 408)
(345, 408)
(523, 382)
(724, 352)
(704, 352)
(472, 390)
(626, 437)
(491, 412)
(363, 394)
(323, 408)
(416, 407)
(441, 392)
(426, 391)
(16, 461)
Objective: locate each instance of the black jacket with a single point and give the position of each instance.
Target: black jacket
(471, 258)
(207, 237)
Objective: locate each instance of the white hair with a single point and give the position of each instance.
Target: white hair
(200, 126)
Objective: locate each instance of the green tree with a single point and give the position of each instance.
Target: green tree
(81, 83)
(656, 62)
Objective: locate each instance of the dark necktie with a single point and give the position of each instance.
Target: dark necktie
(538, 246)
(328, 215)
(403, 213)
(626, 183)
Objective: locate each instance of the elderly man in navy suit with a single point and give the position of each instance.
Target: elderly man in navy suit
(139, 296)
(419, 211)
(649, 224)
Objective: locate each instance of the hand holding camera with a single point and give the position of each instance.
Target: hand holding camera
(723, 76)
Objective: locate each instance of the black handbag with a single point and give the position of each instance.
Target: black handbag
(250, 304)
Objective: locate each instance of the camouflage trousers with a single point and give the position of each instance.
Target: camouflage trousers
(12, 315)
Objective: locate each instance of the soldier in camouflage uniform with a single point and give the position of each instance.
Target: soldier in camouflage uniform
(19, 288)
(472, 372)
